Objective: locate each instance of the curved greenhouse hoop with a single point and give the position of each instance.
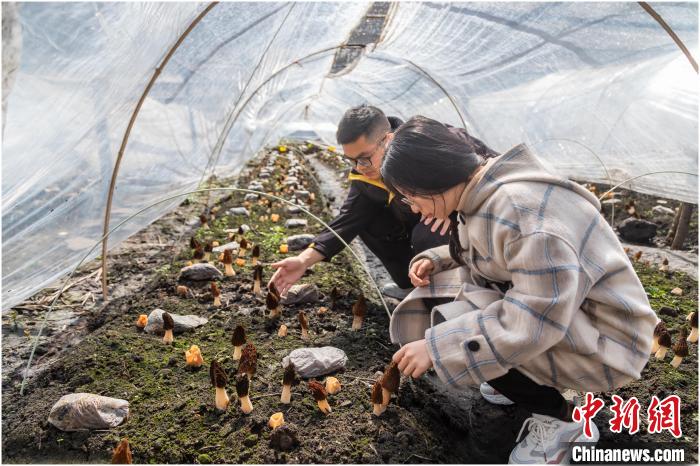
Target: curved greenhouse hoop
(642, 175)
(161, 201)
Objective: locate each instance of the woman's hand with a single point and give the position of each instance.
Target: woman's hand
(420, 271)
(413, 359)
(445, 222)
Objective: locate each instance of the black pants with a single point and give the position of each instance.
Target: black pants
(395, 248)
(535, 398)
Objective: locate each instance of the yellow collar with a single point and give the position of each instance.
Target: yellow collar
(377, 183)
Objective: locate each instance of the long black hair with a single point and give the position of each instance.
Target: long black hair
(427, 157)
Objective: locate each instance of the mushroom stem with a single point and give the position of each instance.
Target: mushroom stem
(207, 257)
(655, 345)
(324, 406)
(254, 261)
(276, 312)
(256, 287)
(693, 337)
(246, 405)
(386, 398)
(304, 334)
(661, 353)
(222, 399)
(357, 323)
(228, 270)
(168, 337)
(378, 409)
(237, 352)
(676, 361)
(217, 300)
(286, 394)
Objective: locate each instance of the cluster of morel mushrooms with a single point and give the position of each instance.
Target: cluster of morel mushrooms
(245, 352)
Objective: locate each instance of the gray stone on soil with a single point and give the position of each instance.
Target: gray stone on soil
(300, 294)
(314, 362)
(200, 272)
(299, 242)
(301, 194)
(232, 245)
(296, 223)
(182, 323)
(637, 230)
(239, 211)
(661, 210)
(292, 209)
(252, 197)
(256, 186)
(85, 411)
(264, 175)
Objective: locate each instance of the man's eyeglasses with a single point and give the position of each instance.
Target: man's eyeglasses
(366, 160)
(407, 201)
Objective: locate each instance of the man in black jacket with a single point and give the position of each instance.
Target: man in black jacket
(384, 223)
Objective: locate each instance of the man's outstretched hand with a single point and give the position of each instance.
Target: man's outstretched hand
(291, 269)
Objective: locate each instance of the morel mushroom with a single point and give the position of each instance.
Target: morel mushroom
(168, 326)
(359, 309)
(194, 243)
(257, 279)
(181, 290)
(390, 382)
(243, 247)
(249, 360)
(238, 341)
(637, 256)
(693, 338)
(377, 399)
(664, 266)
(208, 250)
(198, 253)
(680, 350)
(289, 379)
(242, 389)
(228, 263)
(282, 332)
(304, 322)
(273, 302)
(320, 395)
(193, 356)
(122, 454)
(335, 296)
(203, 220)
(332, 385)
(658, 330)
(255, 255)
(216, 294)
(664, 344)
(219, 379)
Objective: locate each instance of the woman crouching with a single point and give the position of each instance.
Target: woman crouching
(546, 298)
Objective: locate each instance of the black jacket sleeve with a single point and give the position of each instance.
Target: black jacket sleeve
(355, 216)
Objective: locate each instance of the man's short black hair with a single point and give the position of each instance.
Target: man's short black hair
(363, 120)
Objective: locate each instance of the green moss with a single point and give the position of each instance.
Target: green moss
(204, 459)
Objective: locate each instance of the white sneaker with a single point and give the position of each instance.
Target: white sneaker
(392, 290)
(548, 440)
(492, 395)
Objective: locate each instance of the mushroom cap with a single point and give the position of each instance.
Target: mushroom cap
(303, 321)
(256, 251)
(665, 339)
(194, 243)
(377, 395)
(208, 247)
(240, 230)
(681, 347)
(203, 218)
(215, 289)
(290, 375)
(217, 374)
(273, 297)
(391, 378)
(335, 294)
(257, 272)
(122, 454)
(694, 319)
(242, 385)
(243, 244)
(198, 252)
(665, 262)
(317, 390)
(360, 307)
(228, 257)
(249, 360)
(659, 329)
(238, 338)
(168, 323)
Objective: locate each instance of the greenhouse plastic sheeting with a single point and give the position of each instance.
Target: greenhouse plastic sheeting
(599, 90)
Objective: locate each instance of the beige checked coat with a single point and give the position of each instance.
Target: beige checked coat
(574, 313)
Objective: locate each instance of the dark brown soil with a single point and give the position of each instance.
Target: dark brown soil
(172, 414)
